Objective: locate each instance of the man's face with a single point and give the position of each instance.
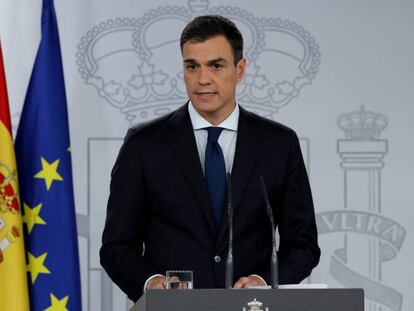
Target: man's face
(211, 77)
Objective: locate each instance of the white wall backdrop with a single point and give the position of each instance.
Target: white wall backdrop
(339, 72)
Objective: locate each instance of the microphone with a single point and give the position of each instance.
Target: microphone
(229, 263)
(274, 262)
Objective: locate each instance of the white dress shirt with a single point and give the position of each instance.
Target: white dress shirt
(227, 139)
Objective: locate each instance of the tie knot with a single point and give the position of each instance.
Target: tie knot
(213, 133)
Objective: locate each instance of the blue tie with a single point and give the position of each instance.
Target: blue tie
(215, 174)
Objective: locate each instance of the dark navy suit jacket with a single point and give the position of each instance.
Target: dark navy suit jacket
(159, 216)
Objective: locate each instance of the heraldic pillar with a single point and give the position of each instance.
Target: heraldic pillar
(362, 154)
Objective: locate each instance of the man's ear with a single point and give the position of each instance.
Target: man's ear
(241, 69)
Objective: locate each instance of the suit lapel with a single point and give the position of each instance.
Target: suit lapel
(247, 148)
(182, 140)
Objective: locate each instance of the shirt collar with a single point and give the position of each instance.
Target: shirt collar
(230, 123)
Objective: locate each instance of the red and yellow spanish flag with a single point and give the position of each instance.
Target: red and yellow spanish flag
(13, 281)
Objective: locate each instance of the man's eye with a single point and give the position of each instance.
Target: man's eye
(191, 66)
(217, 66)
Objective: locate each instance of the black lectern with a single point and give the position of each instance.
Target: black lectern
(333, 299)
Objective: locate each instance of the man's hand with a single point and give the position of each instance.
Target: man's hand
(251, 280)
(158, 282)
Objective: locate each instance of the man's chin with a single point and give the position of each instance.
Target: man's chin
(204, 105)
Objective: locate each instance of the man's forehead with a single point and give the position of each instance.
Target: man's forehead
(209, 50)
(214, 43)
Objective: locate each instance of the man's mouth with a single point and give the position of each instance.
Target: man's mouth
(205, 94)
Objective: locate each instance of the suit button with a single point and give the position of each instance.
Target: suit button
(217, 259)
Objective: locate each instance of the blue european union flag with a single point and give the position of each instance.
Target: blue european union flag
(44, 166)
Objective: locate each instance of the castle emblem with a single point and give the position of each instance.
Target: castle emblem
(9, 206)
(139, 72)
(8, 197)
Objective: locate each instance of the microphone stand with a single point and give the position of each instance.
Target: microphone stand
(274, 262)
(229, 262)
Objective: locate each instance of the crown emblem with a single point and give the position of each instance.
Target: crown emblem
(133, 63)
(362, 125)
(255, 305)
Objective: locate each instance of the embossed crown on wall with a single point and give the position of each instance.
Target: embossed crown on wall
(362, 125)
(135, 63)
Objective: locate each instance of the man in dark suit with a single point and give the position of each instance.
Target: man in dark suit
(166, 207)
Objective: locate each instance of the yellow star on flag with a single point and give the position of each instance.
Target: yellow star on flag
(56, 304)
(31, 216)
(36, 266)
(49, 172)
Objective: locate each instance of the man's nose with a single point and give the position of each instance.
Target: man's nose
(204, 76)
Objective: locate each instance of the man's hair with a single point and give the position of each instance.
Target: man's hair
(206, 27)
